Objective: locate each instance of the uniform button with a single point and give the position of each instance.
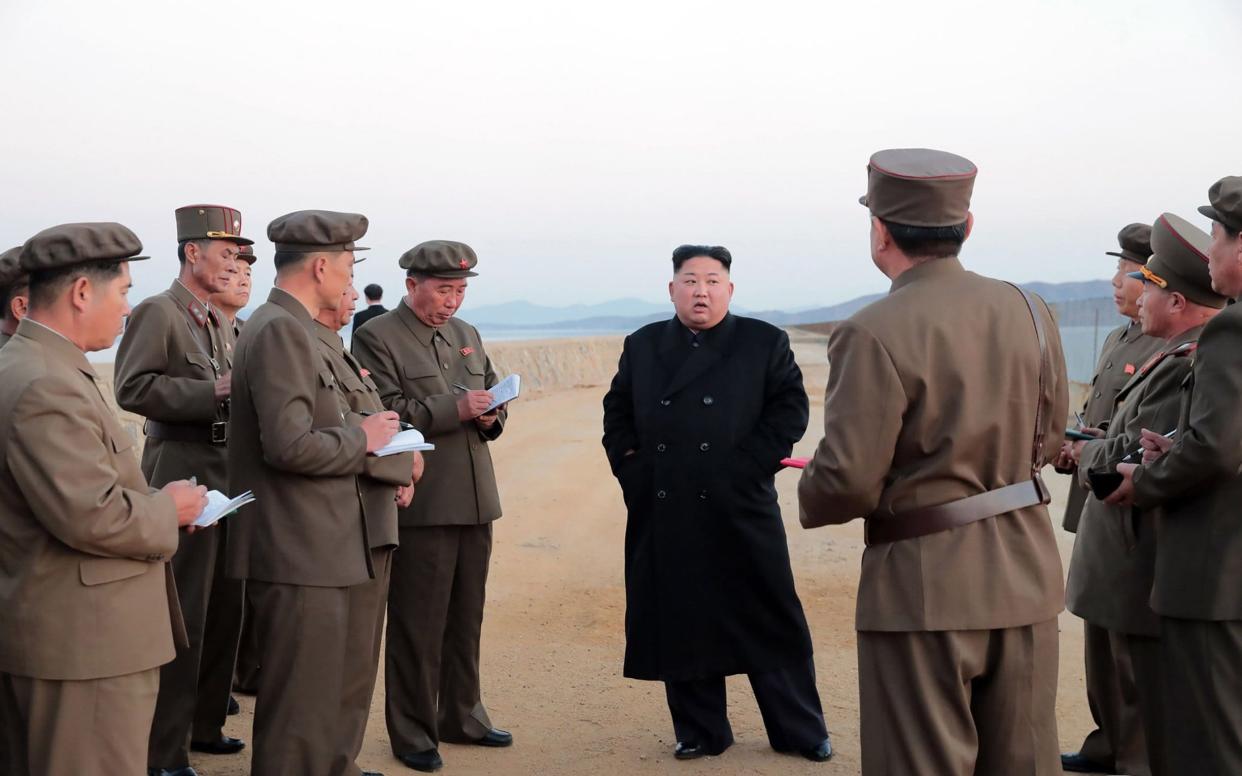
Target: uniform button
(660, 494)
(694, 344)
(1097, 394)
(703, 495)
(666, 402)
(661, 447)
(705, 447)
(709, 401)
(444, 365)
(1108, 365)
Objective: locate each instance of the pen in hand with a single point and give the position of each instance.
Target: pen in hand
(400, 423)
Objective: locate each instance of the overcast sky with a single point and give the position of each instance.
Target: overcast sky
(574, 144)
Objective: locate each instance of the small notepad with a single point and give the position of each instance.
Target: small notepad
(405, 442)
(219, 506)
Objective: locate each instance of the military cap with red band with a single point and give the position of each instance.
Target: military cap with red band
(1180, 261)
(210, 222)
(919, 187)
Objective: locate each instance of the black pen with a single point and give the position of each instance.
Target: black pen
(404, 426)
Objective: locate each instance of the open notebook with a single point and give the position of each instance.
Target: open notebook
(220, 505)
(404, 442)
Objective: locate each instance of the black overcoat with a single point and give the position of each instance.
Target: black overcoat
(709, 590)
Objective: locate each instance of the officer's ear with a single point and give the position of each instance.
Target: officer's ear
(970, 225)
(19, 306)
(1177, 302)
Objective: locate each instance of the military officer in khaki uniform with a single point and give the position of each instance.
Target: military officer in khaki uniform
(961, 578)
(14, 293)
(385, 483)
(225, 596)
(172, 368)
(1116, 743)
(1194, 480)
(1110, 576)
(236, 296)
(224, 621)
(432, 369)
(302, 546)
(88, 610)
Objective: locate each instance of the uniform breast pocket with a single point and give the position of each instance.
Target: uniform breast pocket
(423, 379)
(200, 360)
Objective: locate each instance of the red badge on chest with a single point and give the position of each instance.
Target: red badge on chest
(466, 351)
(1129, 369)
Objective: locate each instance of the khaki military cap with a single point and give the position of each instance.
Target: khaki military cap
(210, 222)
(441, 259)
(10, 270)
(246, 253)
(919, 187)
(313, 231)
(1226, 198)
(1135, 242)
(67, 245)
(1180, 261)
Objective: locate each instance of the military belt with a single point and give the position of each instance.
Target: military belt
(216, 433)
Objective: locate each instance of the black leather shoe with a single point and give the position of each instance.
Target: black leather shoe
(225, 745)
(427, 762)
(372, 773)
(688, 750)
(1075, 762)
(819, 754)
(495, 737)
(234, 707)
(186, 771)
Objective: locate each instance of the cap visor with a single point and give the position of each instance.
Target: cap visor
(1211, 213)
(863, 200)
(1115, 253)
(357, 248)
(455, 274)
(359, 261)
(135, 258)
(237, 240)
(1136, 275)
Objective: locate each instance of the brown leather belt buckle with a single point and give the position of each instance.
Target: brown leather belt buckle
(220, 432)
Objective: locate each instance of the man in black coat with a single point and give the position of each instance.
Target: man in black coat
(374, 294)
(701, 412)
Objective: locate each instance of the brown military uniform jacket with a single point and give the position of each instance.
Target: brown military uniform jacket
(381, 477)
(1114, 558)
(85, 590)
(1197, 482)
(415, 367)
(932, 398)
(173, 350)
(288, 443)
(1125, 349)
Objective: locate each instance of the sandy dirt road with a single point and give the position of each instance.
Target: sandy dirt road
(552, 638)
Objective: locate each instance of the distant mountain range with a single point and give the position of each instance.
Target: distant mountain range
(1078, 300)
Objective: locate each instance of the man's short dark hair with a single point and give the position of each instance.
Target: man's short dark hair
(202, 246)
(373, 291)
(927, 242)
(48, 284)
(282, 259)
(686, 252)
(1230, 232)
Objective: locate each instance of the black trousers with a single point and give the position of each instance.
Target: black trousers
(788, 702)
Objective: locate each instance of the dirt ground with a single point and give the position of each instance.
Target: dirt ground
(553, 641)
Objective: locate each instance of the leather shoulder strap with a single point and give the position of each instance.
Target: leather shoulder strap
(1037, 446)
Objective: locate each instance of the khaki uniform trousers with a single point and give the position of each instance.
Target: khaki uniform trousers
(435, 618)
(1202, 662)
(1112, 695)
(957, 703)
(93, 727)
